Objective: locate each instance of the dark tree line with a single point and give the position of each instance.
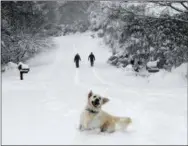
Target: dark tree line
(21, 30)
(27, 26)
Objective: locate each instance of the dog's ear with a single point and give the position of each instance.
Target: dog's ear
(90, 94)
(105, 100)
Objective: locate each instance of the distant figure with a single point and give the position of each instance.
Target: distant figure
(132, 62)
(137, 66)
(91, 58)
(77, 59)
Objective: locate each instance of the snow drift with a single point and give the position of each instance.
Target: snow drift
(176, 78)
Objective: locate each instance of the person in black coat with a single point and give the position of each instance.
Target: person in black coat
(91, 58)
(77, 59)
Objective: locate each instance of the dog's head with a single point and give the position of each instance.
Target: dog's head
(95, 100)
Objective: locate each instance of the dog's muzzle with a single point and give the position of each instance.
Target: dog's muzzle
(96, 102)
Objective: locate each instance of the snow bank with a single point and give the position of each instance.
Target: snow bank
(129, 71)
(176, 78)
(9, 66)
(129, 68)
(181, 70)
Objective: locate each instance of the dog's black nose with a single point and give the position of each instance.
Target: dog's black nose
(97, 101)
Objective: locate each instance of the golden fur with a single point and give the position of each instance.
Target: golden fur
(94, 117)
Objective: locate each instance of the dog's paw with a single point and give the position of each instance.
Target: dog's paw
(81, 127)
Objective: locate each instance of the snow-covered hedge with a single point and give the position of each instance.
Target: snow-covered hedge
(119, 60)
(9, 66)
(136, 34)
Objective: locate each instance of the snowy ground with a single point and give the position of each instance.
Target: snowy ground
(45, 107)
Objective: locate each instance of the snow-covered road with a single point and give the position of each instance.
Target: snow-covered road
(45, 107)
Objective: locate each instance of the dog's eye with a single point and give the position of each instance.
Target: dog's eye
(99, 98)
(94, 96)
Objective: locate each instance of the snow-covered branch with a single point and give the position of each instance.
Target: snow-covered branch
(176, 8)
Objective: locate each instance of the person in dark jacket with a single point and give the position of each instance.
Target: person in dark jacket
(91, 58)
(132, 62)
(77, 59)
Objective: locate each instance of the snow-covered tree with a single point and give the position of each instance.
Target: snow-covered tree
(128, 28)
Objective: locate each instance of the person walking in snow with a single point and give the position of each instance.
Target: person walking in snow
(91, 58)
(77, 59)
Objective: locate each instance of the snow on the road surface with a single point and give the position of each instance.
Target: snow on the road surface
(45, 107)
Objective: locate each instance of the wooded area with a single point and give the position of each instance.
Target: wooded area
(126, 27)
(130, 30)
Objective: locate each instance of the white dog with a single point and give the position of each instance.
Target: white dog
(94, 117)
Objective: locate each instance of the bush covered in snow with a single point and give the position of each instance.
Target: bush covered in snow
(119, 60)
(9, 66)
(25, 30)
(128, 28)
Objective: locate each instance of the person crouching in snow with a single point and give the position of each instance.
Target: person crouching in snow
(77, 59)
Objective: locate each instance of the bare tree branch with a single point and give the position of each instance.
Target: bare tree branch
(186, 7)
(175, 8)
(147, 16)
(169, 4)
(160, 3)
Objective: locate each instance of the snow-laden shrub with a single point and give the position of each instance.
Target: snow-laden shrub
(112, 58)
(114, 62)
(124, 61)
(100, 33)
(119, 60)
(127, 27)
(9, 66)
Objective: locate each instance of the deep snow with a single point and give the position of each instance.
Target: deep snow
(45, 107)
